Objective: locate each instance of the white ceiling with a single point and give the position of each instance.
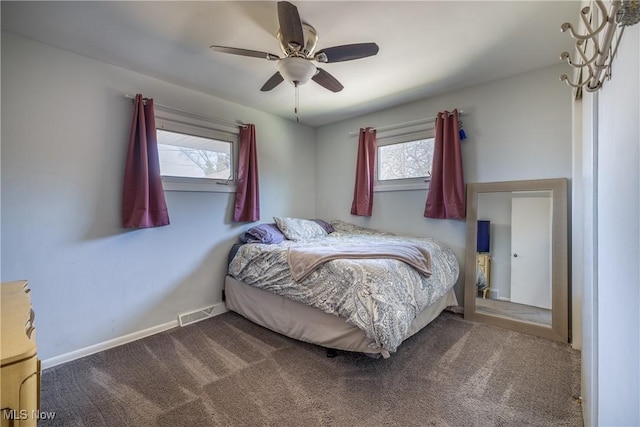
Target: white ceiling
(426, 47)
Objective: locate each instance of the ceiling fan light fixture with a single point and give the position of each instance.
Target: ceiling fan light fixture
(296, 71)
(298, 42)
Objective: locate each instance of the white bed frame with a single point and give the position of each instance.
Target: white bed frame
(311, 325)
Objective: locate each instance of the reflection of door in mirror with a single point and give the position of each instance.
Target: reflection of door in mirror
(520, 253)
(531, 248)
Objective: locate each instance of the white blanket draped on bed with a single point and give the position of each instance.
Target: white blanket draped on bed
(379, 296)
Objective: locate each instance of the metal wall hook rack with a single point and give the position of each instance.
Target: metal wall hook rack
(597, 47)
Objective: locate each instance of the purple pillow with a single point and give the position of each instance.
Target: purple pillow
(324, 224)
(263, 233)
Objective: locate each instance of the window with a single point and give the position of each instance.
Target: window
(195, 157)
(404, 162)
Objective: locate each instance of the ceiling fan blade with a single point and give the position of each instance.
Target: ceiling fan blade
(273, 81)
(290, 24)
(245, 52)
(347, 52)
(327, 81)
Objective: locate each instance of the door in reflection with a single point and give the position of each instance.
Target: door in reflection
(531, 249)
(520, 252)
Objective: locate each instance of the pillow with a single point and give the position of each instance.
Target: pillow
(324, 224)
(299, 229)
(263, 233)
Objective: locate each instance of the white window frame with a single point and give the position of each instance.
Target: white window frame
(403, 184)
(185, 124)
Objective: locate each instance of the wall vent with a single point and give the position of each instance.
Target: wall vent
(201, 314)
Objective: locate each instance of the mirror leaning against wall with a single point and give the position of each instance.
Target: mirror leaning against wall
(516, 260)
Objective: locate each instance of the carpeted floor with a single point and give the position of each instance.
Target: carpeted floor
(227, 371)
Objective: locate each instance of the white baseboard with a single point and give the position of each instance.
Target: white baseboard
(115, 342)
(105, 345)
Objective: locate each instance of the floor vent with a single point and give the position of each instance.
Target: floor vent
(203, 313)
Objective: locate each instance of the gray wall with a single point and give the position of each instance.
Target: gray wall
(617, 296)
(65, 127)
(517, 128)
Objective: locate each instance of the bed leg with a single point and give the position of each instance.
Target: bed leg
(331, 353)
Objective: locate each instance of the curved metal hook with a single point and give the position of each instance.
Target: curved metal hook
(565, 78)
(584, 13)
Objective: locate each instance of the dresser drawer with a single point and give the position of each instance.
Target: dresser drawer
(19, 366)
(20, 393)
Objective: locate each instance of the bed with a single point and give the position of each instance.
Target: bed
(344, 299)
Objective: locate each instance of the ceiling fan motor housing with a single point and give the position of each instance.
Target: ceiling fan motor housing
(310, 42)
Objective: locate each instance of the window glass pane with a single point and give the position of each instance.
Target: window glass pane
(405, 160)
(193, 156)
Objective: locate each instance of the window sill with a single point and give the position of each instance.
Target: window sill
(186, 184)
(377, 188)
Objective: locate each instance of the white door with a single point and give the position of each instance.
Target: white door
(531, 249)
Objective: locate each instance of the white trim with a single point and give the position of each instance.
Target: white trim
(198, 129)
(381, 186)
(588, 252)
(403, 184)
(577, 225)
(189, 126)
(165, 110)
(179, 183)
(191, 119)
(426, 122)
(115, 342)
(593, 265)
(105, 345)
(399, 138)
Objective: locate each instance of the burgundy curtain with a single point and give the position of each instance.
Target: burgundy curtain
(247, 194)
(446, 191)
(363, 193)
(143, 203)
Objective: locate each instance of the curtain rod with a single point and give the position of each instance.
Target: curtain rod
(398, 125)
(190, 114)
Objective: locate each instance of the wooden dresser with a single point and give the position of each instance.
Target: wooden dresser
(20, 367)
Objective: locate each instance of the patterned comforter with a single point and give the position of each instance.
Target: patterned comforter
(379, 296)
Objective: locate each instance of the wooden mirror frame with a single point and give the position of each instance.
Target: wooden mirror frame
(559, 329)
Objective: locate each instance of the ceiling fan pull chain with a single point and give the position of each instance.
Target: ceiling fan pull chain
(297, 102)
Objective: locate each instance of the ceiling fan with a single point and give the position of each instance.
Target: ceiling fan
(298, 43)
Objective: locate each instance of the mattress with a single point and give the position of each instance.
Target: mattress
(308, 324)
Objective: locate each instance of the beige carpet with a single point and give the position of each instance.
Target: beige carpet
(226, 371)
